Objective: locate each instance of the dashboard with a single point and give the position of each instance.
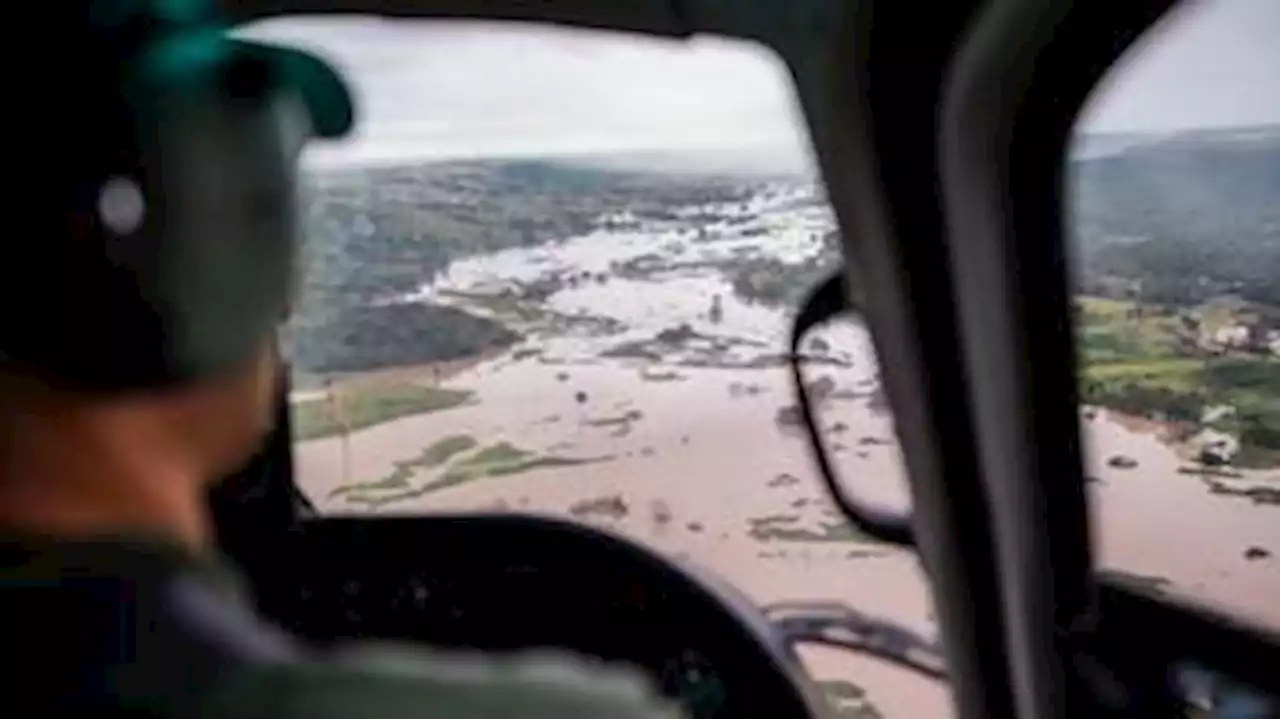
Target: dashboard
(507, 583)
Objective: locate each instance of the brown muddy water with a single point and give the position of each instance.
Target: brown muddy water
(690, 460)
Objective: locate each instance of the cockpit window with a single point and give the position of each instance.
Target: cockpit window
(554, 274)
(1174, 217)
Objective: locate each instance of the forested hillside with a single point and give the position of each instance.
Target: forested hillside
(1191, 216)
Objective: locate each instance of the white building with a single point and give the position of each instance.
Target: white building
(1215, 448)
(1232, 336)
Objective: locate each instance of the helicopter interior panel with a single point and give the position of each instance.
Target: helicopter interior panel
(511, 583)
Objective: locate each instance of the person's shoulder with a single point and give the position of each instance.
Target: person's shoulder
(389, 683)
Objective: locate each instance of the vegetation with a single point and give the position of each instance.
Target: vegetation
(433, 456)
(1189, 217)
(497, 460)
(779, 528)
(379, 231)
(364, 337)
(376, 235)
(1143, 360)
(370, 405)
(1162, 227)
(776, 283)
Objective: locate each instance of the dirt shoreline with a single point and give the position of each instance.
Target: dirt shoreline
(1169, 433)
(434, 373)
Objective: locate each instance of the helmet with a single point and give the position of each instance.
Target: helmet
(161, 174)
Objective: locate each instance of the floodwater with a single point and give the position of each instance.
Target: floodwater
(690, 444)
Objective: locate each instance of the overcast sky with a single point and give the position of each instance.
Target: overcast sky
(463, 90)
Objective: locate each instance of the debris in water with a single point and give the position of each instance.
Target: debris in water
(580, 397)
(878, 403)
(739, 389)
(802, 502)
(1255, 553)
(872, 441)
(658, 376)
(612, 507)
(661, 511)
(562, 376)
(788, 416)
(1122, 461)
(784, 480)
(695, 526)
(820, 389)
(646, 452)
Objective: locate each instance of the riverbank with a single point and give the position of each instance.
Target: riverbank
(358, 400)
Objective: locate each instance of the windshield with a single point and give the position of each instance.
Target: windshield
(1174, 220)
(554, 274)
(554, 271)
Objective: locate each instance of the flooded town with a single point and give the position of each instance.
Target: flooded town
(558, 292)
(616, 375)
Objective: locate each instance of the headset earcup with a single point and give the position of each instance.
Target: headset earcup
(183, 266)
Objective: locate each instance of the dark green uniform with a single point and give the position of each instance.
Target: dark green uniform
(143, 628)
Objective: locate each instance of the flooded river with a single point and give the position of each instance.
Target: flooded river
(679, 447)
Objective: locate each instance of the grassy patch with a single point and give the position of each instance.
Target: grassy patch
(497, 460)
(395, 480)
(623, 419)
(1180, 372)
(532, 464)
(500, 460)
(433, 456)
(496, 454)
(778, 528)
(1141, 360)
(369, 406)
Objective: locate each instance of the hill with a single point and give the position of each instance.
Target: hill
(1190, 215)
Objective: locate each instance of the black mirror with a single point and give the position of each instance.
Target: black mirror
(845, 414)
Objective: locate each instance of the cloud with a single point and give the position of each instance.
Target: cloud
(1209, 63)
(467, 89)
(464, 89)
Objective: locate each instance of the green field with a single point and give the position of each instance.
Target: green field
(1140, 361)
(497, 460)
(400, 478)
(368, 406)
